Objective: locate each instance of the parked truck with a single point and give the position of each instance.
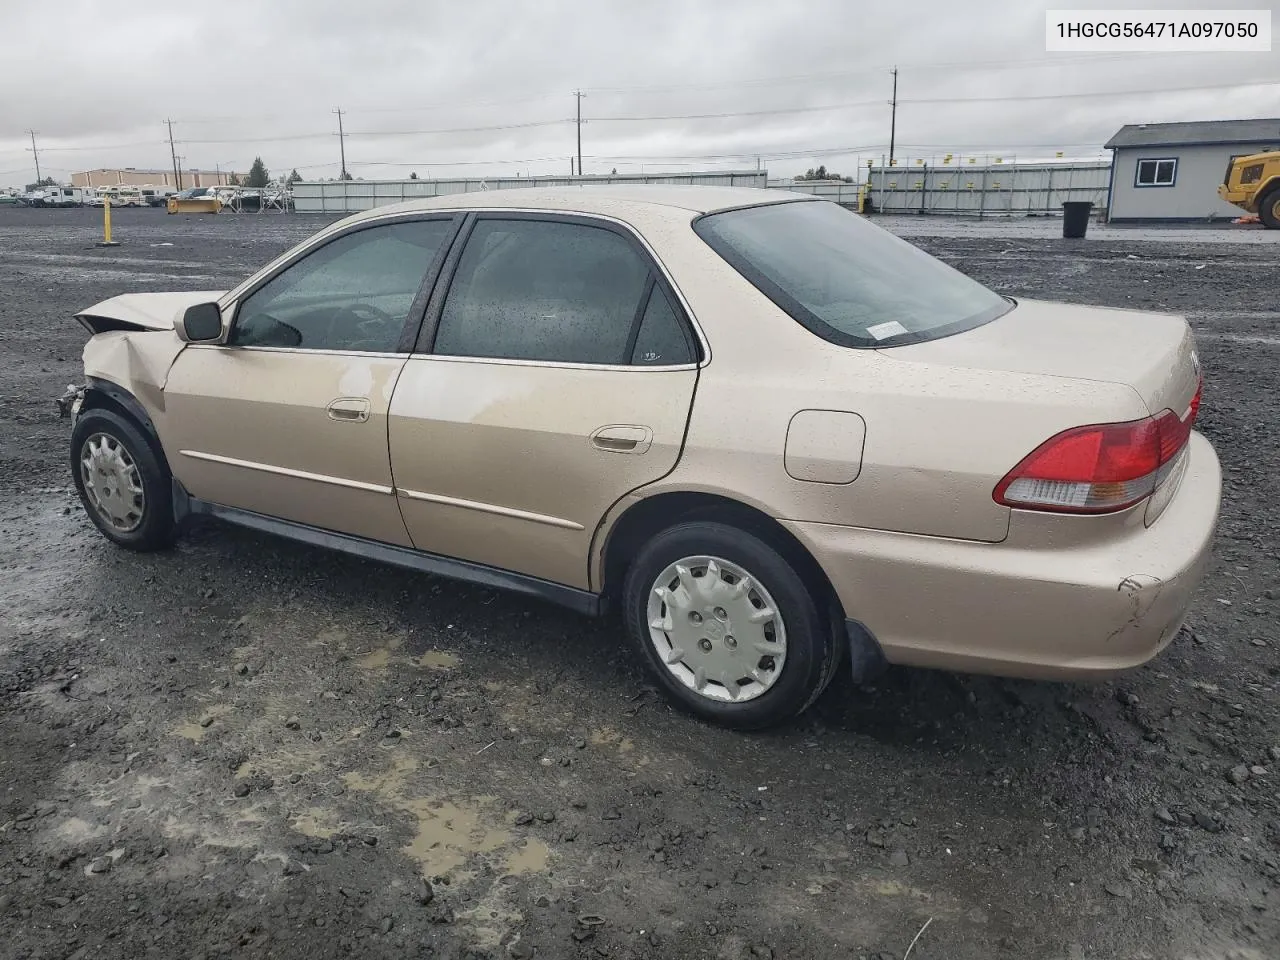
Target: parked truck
(1252, 183)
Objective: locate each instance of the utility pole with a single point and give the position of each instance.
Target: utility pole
(177, 175)
(35, 154)
(342, 145)
(893, 115)
(578, 95)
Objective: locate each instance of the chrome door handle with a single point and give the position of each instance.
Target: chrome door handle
(349, 409)
(622, 438)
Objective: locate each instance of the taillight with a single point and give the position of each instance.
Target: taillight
(1099, 468)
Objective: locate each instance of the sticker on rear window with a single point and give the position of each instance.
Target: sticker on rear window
(883, 331)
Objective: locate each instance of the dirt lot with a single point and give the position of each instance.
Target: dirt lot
(249, 748)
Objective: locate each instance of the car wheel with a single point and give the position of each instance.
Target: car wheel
(1269, 209)
(728, 626)
(122, 484)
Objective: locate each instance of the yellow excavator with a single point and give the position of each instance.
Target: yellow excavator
(1252, 183)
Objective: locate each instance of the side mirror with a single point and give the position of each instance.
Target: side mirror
(201, 323)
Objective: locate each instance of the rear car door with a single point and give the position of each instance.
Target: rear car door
(288, 417)
(554, 375)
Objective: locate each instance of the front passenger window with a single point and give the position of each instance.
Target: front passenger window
(353, 293)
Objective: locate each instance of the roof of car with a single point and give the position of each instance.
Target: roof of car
(602, 198)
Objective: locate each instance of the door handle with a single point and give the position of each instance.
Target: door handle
(622, 438)
(349, 409)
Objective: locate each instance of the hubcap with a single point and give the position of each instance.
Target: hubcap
(717, 629)
(112, 482)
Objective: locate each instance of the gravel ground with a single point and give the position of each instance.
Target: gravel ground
(250, 748)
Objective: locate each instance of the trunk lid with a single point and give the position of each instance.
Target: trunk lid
(142, 311)
(1153, 353)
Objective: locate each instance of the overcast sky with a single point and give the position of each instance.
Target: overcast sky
(804, 84)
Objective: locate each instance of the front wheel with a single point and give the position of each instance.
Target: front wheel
(728, 626)
(124, 487)
(1269, 209)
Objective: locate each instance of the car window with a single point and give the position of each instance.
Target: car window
(543, 290)
(662, 340)
(846, 279)
(354, 293)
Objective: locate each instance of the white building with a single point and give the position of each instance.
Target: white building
(1171, 171)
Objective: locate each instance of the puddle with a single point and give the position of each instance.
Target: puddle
(451, 833)
(315, 822)
(194, 730)
(76, 830)
(373, 661)
(608, 737)
(437, 660)
(531, 857)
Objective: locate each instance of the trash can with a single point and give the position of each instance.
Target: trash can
(1075, 218)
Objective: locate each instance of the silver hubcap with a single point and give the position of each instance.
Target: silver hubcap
(112, 482)
(717, 629)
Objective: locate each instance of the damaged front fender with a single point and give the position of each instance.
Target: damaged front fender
(70, 402)
(135, 362)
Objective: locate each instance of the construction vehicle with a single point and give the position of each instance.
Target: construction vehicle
(1252, 183)
(194, 200)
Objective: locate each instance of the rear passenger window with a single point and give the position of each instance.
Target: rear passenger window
(662, 340)
(543, 290)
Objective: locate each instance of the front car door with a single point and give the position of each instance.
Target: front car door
(555, 376)
(288, 417)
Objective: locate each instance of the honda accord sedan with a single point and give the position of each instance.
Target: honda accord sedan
(773, 437)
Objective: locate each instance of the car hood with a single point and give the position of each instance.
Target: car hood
(142, 311)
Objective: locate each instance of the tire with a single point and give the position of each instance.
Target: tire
(809, 652)
(1269, 209)
(143, 521)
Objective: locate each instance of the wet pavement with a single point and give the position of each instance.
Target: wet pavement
(246, 747)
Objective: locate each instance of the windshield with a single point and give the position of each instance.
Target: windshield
(845, 279)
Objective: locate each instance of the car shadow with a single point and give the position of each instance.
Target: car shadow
(588, 660)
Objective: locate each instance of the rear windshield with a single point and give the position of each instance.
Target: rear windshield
(845, 279)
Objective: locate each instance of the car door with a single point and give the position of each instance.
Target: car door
(554, 376)
(288, 417)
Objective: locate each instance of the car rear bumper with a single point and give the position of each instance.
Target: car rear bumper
(1091, 607)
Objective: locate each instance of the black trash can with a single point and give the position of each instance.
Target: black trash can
(1075, 218)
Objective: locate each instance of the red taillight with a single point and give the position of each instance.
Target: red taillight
(1099, 468)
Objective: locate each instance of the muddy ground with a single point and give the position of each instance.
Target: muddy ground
(250, 748)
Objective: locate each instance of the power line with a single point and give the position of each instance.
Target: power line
(499, 126)
(935, 100)
(1100, 93)
(870, 71)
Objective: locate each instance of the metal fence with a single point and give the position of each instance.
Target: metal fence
(349, 196)
(987, 190)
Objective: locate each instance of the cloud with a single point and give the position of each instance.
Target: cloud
(487, 87)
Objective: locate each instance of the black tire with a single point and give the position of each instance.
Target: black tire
(156, 529)
(1269, 209)
(812, 651)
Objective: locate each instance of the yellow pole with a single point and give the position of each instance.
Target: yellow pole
(106, 225)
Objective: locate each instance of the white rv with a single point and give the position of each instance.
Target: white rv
(57, 197)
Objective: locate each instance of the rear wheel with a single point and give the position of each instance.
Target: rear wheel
(124, 488)
(1269, 209)
(727, 626)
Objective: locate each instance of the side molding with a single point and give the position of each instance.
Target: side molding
(580, 601)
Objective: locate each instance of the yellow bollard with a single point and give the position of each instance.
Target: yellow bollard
(106, 225)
